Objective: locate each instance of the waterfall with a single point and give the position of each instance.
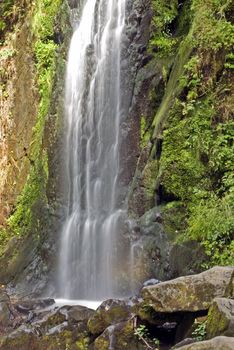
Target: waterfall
(94, 110)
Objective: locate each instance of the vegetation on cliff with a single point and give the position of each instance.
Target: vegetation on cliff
(195, 121)
(44, 49)
(42, 24)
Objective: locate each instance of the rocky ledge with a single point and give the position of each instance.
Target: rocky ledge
(188, 313)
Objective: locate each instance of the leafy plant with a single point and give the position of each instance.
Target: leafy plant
(162, 40)
(200, 331)
(143, 334)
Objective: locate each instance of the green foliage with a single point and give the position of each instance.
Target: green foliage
(229, 61)
(143, 334)
(141, 331)
(184, 139)
(4, 238)
(10, 12)
(164, 13)
(212, 222)
(20, 222)
(145, 133)
(196, 164)
(200, 331)
(5, 13)
(211, 28)
(174, 218)
(83, 344)
(162, 40)
(149, 178)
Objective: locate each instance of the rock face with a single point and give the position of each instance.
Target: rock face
(221, 318)
(219, 343)
(190, 293)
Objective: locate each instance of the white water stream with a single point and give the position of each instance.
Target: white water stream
(93, 116)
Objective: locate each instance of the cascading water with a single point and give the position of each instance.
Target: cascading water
(94, 112)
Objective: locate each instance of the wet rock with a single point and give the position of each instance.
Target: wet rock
(110, 312)
(218, 343)
(25, 306)
(4, 314)
(51, 328)
(119, 337)
(150, 250)
(190, 293)
(221, 318)
(151, 282)
(77, 313)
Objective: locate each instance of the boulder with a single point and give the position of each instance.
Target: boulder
(109, 312)
(77, 313)
(221, 318)
(218, 343)
(26, 305)
(119, 337)
(190, 293)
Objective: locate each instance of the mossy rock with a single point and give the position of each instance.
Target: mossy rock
(221, 318)
(109, 313)
(119, 337)
(190, 293)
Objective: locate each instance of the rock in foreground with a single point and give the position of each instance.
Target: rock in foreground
(190, 293)
(218, 343)
(221, 318)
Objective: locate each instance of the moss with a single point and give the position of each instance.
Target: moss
(145, 133)
(82, 344)
(196, 166)
(172, 88)
(174, 216)
(104, 318)
(10, 12)
(163, 42)
(34, 191)
(101, 344)
(217, 323)
(149, 175)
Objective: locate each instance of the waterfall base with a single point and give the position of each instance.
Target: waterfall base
(91, 304)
